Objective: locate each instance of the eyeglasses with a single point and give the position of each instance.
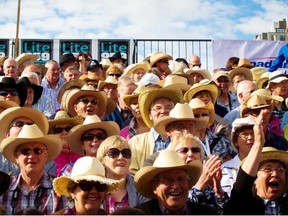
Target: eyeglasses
(116, 75)
(114, 153)
(21, 124)
(58, 130)
(246, 135)
(199, 115)
(13, 93)
(90, 137)
(223, 80)
(185, 150)
(28, 151)
(160, 108)
(88, 185)
(280, 170)
(93, 101)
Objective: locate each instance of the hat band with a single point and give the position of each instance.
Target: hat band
(280, 75)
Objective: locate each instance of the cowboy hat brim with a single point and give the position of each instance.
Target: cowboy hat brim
(69, 121)
(213, 89)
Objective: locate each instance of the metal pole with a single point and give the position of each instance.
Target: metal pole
(17, 30)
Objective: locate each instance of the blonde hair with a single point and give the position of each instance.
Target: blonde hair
(115, 141)
(181, 139)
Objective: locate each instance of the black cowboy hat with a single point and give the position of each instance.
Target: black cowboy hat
(67, 57)
(9, 82)
(93, 64)
(4, 182)
(37, 89)
(117, 55)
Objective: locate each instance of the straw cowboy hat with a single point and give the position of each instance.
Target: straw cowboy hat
(266, 94)
(257, 72)
(173, 81)
(78, 83)
(219, 74)
(89, 169)
(236, 125)
(148, 78)
(2, 59)
(133, 67)
(31, 134)
(90, 77)
(7, 104)
(155, 57)
(146, 98)
(90, 122)
(252, 103)
(262, 80)
(167, 160)
(86, 90)
(179, 113)
(108, 80)
(8, 116)
(105, 63)
(176, 66)
(114, 69)
(196, 103)
(62, 117)
(246, 72)
(204, 73)
(4, 182)
(244, 62)
(20, 87)
(37, 89)
(276, 77)
(25, 57)
(198, 87)
(127, 98)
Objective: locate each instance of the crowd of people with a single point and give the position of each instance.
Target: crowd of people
(162, 136)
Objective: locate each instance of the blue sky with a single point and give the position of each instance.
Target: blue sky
(148, 19)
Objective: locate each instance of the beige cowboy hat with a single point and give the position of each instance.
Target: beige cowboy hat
(2, 59)
(127, 98)
(106, 63)
(78, 83)
(31, 134)
(108, 80)
(219, 73)
(173, 81)
(89, 169)
(7, 104)
(112, 69)
(244, 62)
(90, 77)
(62, 117)
(166, 160)
(25, 57)
(155, 57)
(204, 73)
(148, 78)
(133, 67)
(179, 113)
(236, 125)
(257, 72)
(177, 67)
(146, 98)
(198, 87)
(276, 77)
(196, 103)
(264, 78)
(266, 94)
(8, 116)
(74, 94)
(90, 122)
(252, 103)
(246, 72)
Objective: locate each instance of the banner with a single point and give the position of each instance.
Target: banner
(43, 48)
(75, 47)
(4, 45)
(107, 48)
(260, 53)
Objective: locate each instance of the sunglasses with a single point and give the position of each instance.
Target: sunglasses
(185, 150)
(28, 151)
(21, 124)
(114, 153)
(93, 101)
(223, 81)
(90, 137)
(58, 130)
(88, 185)
(117, 75)
(13, 93)
(199, 115)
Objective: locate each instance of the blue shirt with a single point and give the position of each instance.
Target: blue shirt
(282, 56)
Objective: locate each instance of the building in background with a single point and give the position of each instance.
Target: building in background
(278, 33)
